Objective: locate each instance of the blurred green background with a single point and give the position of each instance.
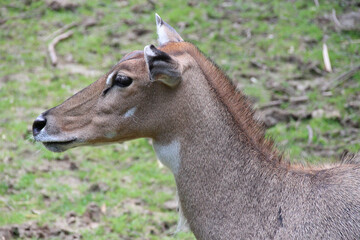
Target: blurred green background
(271, 49)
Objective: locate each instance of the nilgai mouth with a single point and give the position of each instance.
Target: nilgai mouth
(53, 143)
(59, 146)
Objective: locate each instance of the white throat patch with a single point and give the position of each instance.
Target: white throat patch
(169, 155)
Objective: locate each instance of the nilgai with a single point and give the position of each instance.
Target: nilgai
(231, 182)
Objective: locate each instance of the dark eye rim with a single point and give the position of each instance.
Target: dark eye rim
(119, 80)
(122, 80)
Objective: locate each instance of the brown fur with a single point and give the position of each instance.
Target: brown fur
(230, 180)
(234, 100)
(284, 193)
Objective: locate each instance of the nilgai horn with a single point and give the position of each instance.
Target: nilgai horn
(231, 182)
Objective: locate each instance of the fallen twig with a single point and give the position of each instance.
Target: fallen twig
(316, 3)
(357, 41)
(272, 104)
(335, 19)
(326, 58)
(61, 30)
(310, 134)
(298, 99)
(286, 100)
(344, 77)
(52, 44)
(335, 148)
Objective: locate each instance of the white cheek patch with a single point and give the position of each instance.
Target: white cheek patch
(169, 155)
(110, 79)
(130, 112)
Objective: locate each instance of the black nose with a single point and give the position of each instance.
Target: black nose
(39, 124)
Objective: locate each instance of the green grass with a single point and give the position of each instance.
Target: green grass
(29, 85)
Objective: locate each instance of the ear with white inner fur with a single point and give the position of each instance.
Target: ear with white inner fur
(165, 32)
(161, 66)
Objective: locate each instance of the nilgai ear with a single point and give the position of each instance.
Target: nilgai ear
(161, 66)
(165, 32)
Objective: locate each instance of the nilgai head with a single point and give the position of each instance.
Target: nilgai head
(136, 98)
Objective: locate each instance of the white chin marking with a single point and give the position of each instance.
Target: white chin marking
(130, 112)
(110, 135)
(169, 154)
(43, 136)
(57, 147)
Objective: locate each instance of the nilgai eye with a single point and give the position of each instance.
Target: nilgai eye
(122, 81)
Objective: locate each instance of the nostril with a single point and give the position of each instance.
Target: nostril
(38, 125)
